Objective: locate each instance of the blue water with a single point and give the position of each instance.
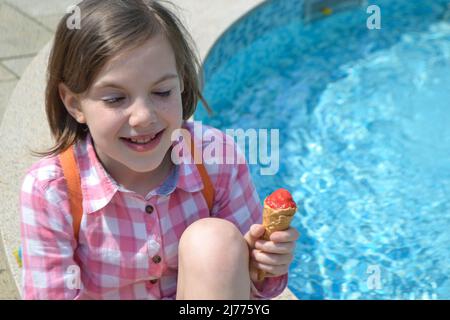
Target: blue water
(364, 120)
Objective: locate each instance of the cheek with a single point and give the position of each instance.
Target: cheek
(104, 122)
(173, 113)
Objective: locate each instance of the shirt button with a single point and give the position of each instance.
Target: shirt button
(149, 209)
(156, 259)
(153, 281)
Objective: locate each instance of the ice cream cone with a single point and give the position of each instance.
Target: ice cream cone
(276, 219)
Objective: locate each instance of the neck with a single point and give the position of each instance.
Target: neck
(141, 183)
(145, 182)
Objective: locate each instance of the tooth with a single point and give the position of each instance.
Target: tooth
(140, 140)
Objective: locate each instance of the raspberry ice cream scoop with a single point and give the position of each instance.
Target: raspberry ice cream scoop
(280, 199)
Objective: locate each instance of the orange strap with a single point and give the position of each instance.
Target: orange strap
(208, 189)
(72, 175)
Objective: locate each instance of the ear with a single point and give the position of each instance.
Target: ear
(71, 102)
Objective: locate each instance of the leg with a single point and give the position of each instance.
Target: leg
(213, 260)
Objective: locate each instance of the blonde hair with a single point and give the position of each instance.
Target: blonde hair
(108, 27)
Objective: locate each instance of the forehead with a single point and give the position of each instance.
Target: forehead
(154, 57)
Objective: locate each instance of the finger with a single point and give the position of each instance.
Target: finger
(256, 232)
(271, 258)
(270, 270)
(275, 247)
(288, 235)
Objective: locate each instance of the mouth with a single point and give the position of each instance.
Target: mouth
(143, 139)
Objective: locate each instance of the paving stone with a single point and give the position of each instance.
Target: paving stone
(8, 289)
(50, 21)
(18, 65)
(41, 8)
(5, 74)
(6, 88)
(20, 35)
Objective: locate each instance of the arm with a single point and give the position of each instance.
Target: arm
(236, 200)
(48, 244)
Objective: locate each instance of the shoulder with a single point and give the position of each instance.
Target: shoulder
(203, 132)
(44, 201)
(45, 177)
(212, 138)
(221, 156)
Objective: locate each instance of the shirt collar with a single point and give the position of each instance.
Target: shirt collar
(95, 180)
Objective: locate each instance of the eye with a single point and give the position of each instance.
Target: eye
(113, 100)
(164, 93)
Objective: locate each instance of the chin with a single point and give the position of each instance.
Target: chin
(145, 165)
(142, 169)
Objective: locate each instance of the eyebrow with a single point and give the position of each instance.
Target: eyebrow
(112, 84)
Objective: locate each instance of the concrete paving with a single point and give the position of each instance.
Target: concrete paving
(25, 27)
(26, 31)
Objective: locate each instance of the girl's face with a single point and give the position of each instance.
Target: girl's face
(138, 93)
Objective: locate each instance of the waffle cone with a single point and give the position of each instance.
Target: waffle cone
(276, 219)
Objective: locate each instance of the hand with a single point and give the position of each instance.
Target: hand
(274, 256)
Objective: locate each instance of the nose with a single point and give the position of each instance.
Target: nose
(142, 113)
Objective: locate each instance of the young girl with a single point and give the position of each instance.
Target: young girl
(118, 87)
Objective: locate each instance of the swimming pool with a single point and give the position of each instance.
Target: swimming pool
(364, 118)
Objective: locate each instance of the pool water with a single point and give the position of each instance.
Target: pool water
(364, 120)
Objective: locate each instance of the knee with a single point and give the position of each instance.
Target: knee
(216, 241)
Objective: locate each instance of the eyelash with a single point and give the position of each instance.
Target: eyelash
(163, 94)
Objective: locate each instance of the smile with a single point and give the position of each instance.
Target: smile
(143, 143)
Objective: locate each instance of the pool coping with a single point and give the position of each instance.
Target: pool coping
(22, 121)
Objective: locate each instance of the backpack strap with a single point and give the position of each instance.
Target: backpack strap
(208, 188)
(72, 176)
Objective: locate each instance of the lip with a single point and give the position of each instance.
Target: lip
(152, 144)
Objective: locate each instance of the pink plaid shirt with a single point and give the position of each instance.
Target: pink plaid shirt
(124, 252)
